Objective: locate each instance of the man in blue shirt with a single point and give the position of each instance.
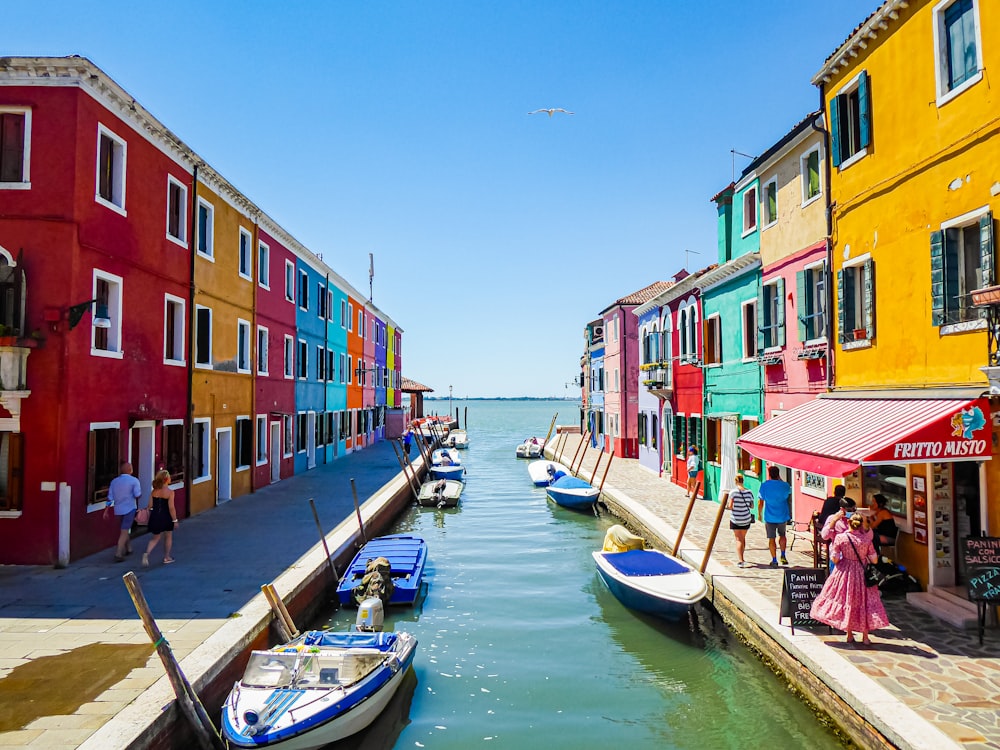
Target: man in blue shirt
(774, 506)
(123, 492)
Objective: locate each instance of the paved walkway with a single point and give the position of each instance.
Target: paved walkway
(934, 685)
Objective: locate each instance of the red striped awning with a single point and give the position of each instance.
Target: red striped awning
(833, 436)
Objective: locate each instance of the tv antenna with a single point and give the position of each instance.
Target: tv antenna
(687, 260)
(736, 153)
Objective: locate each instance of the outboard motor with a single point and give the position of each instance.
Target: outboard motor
(370, 616)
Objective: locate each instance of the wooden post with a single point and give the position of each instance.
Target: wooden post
(606, 469)
(322, 538)
(187, 699)
(283, 620)
(684, 523)
(458, 424)
(586, 444)
(466, 420)
(549, 433)
(715, 531)
(402, 465)
(564, 436)
(572, 462)
(596, 466)
(357, 510)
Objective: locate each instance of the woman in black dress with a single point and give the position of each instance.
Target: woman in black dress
(162, 518)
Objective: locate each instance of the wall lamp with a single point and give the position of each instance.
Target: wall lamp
(75, 313)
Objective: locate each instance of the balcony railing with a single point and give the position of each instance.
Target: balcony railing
(658, 378)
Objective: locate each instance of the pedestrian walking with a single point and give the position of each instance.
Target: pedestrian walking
(123, 495)
(407, 442)
(693, 467)
(774, 506)
(741, 505)
(162, 519)
(846, 603)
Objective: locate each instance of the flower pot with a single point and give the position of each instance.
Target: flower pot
(859, 334)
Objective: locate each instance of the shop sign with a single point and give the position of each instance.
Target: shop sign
(964, 435)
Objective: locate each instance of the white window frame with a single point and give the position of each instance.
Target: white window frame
(303, 290)
(25, 183)
(289, 357)
(198, 364)
(173, 423)
(120, 163)
(243, 340)
(945, 95)
(209, 252)
(772, 337)
(179, 325)
(261, 435)
(749, 198)
(350, 316)
(115, 310)
(350, 369)
(206, 454)
(851, 86)
(749, 347)
(970, 218)
(859, 312)
(287, 435)
(772, 181)
(320, 362)
(819, 267)
(713, 319)
(804, 174)
(320, 300)
(290, 281)
(343, 360)
(361, 324)
(263, 351)
(237, 467)
(182, 221)
(343, 314)
(263, 265)
(302, 372)
(248, 272)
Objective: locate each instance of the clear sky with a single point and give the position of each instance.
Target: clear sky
(401, 129)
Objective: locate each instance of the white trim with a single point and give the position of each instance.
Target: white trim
(859, 261)
(303, 290)
(261, 245)
(847, 88)
(854, 158)
(183, 220)
(941, 53)
(103, 130)
(266, 352)
(115, 315)
(301, 346)
(966, 326)
(25, 183)
(236, 449)
(258, 461)
(244, 232)
(210, 229)
(967, 218)
(743, 329)
(756, 209)
(211, 325)
(207, 451)
(804, 173)
(289, 281)
(763, 196)
(8, 257)
(105, 426)
(179, 332)
(243, 336)
(288, 362)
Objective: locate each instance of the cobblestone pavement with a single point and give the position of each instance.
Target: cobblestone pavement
(939, 671)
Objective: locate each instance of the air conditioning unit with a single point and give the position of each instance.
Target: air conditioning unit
(598, 332)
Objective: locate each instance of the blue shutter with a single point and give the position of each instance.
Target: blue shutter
(865, 105)
(779, 290)
(835, 130)
(937, 278)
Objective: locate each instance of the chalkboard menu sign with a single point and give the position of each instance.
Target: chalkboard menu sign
(982, 567)
(798, 592)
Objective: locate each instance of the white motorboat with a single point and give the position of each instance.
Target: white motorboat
(543, 472)
(440, 493)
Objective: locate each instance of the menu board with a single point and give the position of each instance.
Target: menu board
(800, 588)
(982, 565)
(941, 507)
(919, 510)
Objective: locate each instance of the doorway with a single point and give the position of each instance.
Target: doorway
(727, 475)
(967, 511)
(275, 452)
(223, 464)
(142, 453)
(311, 440)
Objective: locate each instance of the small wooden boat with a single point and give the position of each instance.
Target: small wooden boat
(406, 556)
(530, 448)
(543, 472)
(570, 492)
(648, 580)
(440, 493)
(316, 689)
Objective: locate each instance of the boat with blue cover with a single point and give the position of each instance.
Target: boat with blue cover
(572, 492)
(446, 464)
(406, 556)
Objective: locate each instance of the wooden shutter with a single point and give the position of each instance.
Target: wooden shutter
(986, 249)
(865, 106)
(105, 164)
(802, 304)
(761, 318)
(91, 465)
(835, 130)
(11, 147)
(869, 300)
(841, 307)
(937, 278)
(779, 290)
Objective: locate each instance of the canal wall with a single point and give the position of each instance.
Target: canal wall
(154, 722)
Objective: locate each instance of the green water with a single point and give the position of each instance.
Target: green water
(521, 646)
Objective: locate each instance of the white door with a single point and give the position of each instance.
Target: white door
(275, 451)
(311, 440)
(667, 442)
(224, 464)
(728, 473)
(142, 453)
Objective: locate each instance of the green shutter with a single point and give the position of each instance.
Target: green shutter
(986, 255)
(761, 318)
(952, 274)
(835, 130)
(802, 304)
(678, 434)
(865, 105)
(937, 278)
(869, 300)
(841, 308)
(779, 290)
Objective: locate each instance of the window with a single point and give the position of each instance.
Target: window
(301, 432)
(749, 310)
(361, 323)
(289, 357)
(261, 439)
(856, 293)
(769, 202)
(641, 427)
(303, 360)
(809, 167)
(653, 432)
(106, 338)
(331, 365)
(102, 459)
(350, 316)
(342, 369)
(320, 363)
(850, 122)
(289, 437)
(173, 449)
(15, 148)
(244, 443)
(289, 281)
(320, 300)
(748, 464)
(687, 337)
(206, 229)
(814, 482)
(173, 330)
(712, 351)
(350, 368)
(242, 346)
(303, 290)
(961, 262)
(958, 55)
(264, 265)
(749, 210)
(246, 255)
(343, 313)
(203, 336)
(811, 283)
(111, 153)
(329, 304)
(262, 350)
(713, 441)
(176, 211)
(771, 304)
(650, 346)
(201, 450)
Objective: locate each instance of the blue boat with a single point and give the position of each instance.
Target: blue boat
(570, 492)
(651, 581)
(407, 556)
(446, 464)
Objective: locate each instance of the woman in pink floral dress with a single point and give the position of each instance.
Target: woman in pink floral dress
(845, 603)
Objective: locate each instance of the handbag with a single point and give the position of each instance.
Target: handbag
(872, 575)
(142, 516)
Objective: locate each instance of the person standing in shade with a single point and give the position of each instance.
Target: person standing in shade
(123, 494)
(774, 506)
(831, 505)
(741, 504)
(162, 519)
(693, 467)
(407, 442)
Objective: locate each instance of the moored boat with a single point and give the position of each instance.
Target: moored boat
(530, 448)
(459, 439)
(446, 464)
(543, 472)
(405, 556)
(440, 493)
(571, 492)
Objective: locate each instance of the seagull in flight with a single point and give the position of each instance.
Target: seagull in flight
(552, 111)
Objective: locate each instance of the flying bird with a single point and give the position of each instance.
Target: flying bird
(552, 111)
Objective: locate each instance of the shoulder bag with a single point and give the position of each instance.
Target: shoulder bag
(872, 575)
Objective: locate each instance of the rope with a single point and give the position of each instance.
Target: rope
(162, 641)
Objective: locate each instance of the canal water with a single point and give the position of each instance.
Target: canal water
(522, 646)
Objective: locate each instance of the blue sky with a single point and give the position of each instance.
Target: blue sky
(401, 129)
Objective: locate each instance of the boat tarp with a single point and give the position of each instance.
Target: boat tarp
(570, 483)
(639, 562)
(380, 641)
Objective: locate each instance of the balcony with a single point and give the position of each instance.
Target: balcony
(658, 378)
(14, 351)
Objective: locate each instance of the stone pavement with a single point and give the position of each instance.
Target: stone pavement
(83, 616)
(923, 683)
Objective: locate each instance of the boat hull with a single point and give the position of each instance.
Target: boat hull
(448, 498)
(447, 472)
(406, 554)
(669, 596)
(571, 492)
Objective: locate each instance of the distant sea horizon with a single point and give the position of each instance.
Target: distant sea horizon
(502, 398)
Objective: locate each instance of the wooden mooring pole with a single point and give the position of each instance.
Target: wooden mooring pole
(549, 433)
(322, 538)
(687, 515)
(282, 619)
(715, 532)
(400, 456)
(572, 462)
(187, 699)
(606, 469)
(357, 511)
